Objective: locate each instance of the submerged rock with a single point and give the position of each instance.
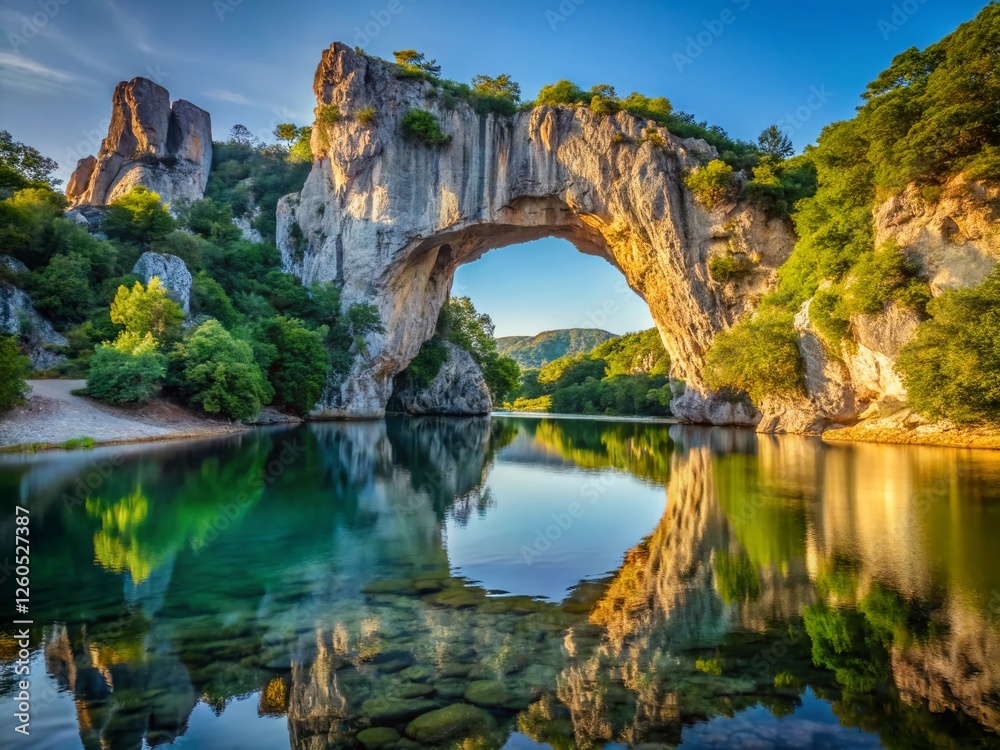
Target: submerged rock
(387, 710)
(377, 738)
(455, 722)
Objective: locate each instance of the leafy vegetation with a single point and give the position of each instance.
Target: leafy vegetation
(951, 368)
(13, 372)
(421, 125)
(713, 184)
(758, 356)
(624, 375)
(928, 117)
(126, 336)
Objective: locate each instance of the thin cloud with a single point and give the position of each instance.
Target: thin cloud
(21, 71)
(225, 95)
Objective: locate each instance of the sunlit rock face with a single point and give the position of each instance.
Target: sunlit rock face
(393, 218)
(951, 237)
(172, 272)
(164, 147)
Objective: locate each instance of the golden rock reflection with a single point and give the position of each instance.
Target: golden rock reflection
(866, 574)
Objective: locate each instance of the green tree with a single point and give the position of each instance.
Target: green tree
(144, 310)
(62, 288)
(301, 151)
(411, 60)
(128, 371)
(461, 324)
(951, 367)
(138, 216)
(561, 92)
(296, 361)
(775, 143)
(758, 356)
(501, 87)
(13, 374)
(218, 373)
(23, 166)
(209, 298)
(287, 133)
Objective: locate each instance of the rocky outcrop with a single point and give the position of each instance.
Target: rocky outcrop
(164, 147)
(952, 234)
(392, 219)
(18, 317)
(90, 218)
(173, 274)
(459, 389)
(952, 237)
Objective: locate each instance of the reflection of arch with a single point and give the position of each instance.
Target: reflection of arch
(393, 218)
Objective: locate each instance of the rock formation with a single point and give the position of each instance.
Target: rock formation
(173, 273)
(164, 147)
(392, 219)
(459, 389)
(952, 238)
(18, 317)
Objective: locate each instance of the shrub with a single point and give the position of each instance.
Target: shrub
(604, 105)
(713, 184)
(728, 267)
(366, 115)
(653, 136)
(218, 373)
(13, 373)
(713, 667)
(209, 298)
(138, 216)
(118, 376)
(561, 92)
(951, 367)
(827, 317)
(327, 115)
(427, 364)
(85, 442)
(759, 356)
(421, 125)
(876, 277)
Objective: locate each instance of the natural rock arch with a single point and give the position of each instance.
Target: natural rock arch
(392, 219)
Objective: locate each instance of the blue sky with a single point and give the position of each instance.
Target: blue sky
(741, 64)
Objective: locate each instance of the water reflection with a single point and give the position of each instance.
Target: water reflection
(328, 585)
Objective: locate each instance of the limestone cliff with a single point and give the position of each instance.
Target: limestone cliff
(162, 146)
(952, 235)
(392, 219)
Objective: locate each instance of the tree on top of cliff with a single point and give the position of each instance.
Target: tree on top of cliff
(775, 143)
(413, 61)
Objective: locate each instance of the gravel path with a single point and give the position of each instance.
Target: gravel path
(53, 415)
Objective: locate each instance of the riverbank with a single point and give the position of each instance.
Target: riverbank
(906, 428)
(590, 417)
(54, 417)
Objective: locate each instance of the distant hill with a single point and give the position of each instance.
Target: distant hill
(536, 351)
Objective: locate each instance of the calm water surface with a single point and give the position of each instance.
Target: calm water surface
(508, 582)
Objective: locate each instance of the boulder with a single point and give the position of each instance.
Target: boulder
(459, 389)
(455, 722)
(173, 273)
(165, 148)
(18, 317)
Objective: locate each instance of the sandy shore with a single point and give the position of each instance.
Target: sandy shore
(54, 415)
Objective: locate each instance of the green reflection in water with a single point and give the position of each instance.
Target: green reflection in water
(307, 570)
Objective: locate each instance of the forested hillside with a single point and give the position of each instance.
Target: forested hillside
(624, 375)
(536, 351)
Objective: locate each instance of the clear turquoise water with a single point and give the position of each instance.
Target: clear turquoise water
(507, 582)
